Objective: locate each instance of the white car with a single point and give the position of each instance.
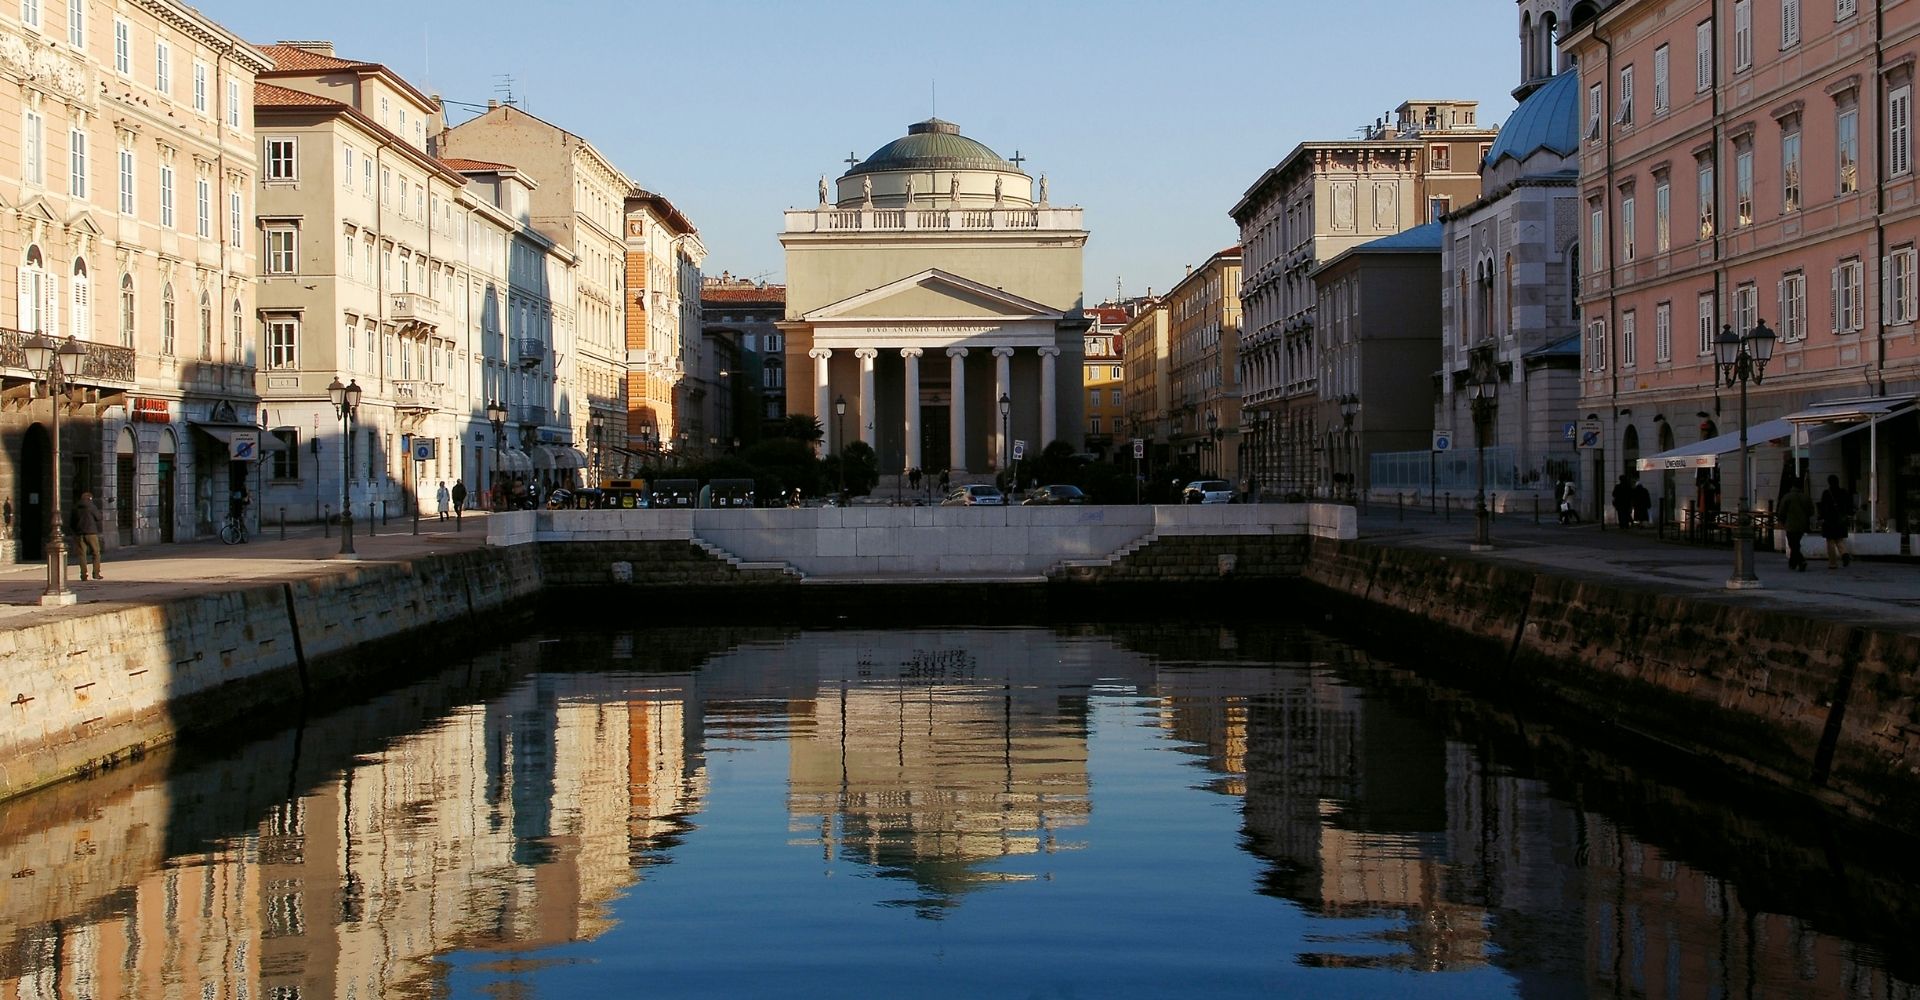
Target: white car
(1208, 491)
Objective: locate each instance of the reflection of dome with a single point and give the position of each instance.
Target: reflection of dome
(933, 145)
(1548, 119)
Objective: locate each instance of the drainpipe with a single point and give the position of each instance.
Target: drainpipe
(1611, 266)
(1719, 217)
(1879, 371)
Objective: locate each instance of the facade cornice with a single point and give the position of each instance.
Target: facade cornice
(193, 24)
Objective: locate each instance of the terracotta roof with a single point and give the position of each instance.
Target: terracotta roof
(477, 166)
(294, 59)
(266, 95)
(770, 293)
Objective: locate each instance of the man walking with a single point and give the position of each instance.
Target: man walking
(86, 524)
(1836, 516)
(1796, 516)
(459, 497)
(1623, 501)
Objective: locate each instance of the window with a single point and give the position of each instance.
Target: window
(1900, 130)
(1597, 231)
(206, 327)
(1595, 96)
(1746, 307)
(366, 176)
(82, 300)
(200, 86)
(1790, 173)
(1438, 207)
(1093, 398)
(33, 139)
(346, 167)
(1661, 58)
(77, 163)
(77, 23)
(1662, 216)
(126, 181)
(1706, 200)
(1629, 351)
(1706, 324)
(126, 310)
(1897, 285)
(234, 232)
(166, 195)
(1597, 346)
(1625, 116)
(352, 333)
(283, 343)
(1093, 425)
(203, 208)
(1117, 372)
(1847, 280)
(236, 322)
(162, 67)
(1663, 333)
(386, 186)
(1842, 9)
(280, 159)
(347, 252)
(286, 459)
(1441, 156)
(122, 47)
(233, 104)
(1703, 56)
(30, 13)
(1789, 23)
(1627, 220)
(1743, 187)
(1847, 143)
(280, 244)
(1742, 34)
(402, 207)
(166, 321)
(1793, 307)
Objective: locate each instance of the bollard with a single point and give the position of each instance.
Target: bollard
(416, 519)
(326, 522)
(373, 522)
(283, 524)
(1536, 508)
(383, 512)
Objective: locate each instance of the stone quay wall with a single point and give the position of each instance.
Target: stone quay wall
(1827, 708)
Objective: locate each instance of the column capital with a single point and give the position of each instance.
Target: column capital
(956, 352)
(1003, 352)
(820, 353)
(911, 352)
(1049, 352)
(866, 353)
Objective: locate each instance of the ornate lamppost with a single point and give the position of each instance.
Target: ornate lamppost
(497, 416)
(596, 429)
(1212, 441)
(346, 402)
(1006, 435)
(1743, 359)
(840, 437)
(44, 357)
(1350, 408)
(1483, 393)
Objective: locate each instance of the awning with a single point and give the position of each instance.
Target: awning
(1706, 454)
(1857, 414)
(566, 457)
(223, 433)
(514, 462)
(543, 458)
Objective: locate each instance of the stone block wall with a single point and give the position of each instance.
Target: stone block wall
(1199, 558)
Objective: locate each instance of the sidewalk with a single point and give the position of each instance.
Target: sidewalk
(1881, 593)
(152, 573)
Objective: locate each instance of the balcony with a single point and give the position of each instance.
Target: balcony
(529, 415)
(106, 366)
(414, 309)
(531, 352)
(414, 394)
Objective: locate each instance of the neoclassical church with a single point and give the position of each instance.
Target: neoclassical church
(929, 283)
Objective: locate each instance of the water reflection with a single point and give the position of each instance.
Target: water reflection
(512, 819)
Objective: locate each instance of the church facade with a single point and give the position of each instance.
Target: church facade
(937, 294)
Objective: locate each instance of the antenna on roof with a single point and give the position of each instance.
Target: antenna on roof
(503, 85)
(933, 89)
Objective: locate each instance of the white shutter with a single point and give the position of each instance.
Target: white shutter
(1789, 22)
(51, 296)
(23, 280)
(1703, 56)
(1780, 292)
(82, 308)
(1886, 286)
(1856, 274)
(1833, 308)
(1900, 131)
(1842, 9)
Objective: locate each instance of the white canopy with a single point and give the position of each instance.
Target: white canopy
(1706, 454)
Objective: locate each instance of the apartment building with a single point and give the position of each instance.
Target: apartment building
(665, 387)
(1106, 381)
(1750, 162)
(1203, 345)
(129, 182)
(1145, 362)
(745, 312)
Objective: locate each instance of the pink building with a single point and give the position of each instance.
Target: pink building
(1746, 162)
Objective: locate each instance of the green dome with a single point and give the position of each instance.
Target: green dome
(933, 145)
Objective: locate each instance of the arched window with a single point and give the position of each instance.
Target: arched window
(33, 286)
(82, 300)
(1527, 47)
(166, 320)
(206, 327)
(126, 310)
(236, 349)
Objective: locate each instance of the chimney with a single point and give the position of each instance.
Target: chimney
(492, 104)
(318, 48)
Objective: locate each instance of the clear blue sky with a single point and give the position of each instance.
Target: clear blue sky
(1153, 116)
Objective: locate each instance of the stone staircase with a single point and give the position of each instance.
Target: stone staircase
(743, 565)
(1084, 567)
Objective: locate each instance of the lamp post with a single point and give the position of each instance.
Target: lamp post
(1350, 408)
(1483, 388)
(497, 416)
(1212, 441)
(44, 357)
(596, 429)
(840, 437)
(1006, 435)
(1743, 358)
(346, 402)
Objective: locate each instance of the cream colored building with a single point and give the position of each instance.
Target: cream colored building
(1149, 383)
(580, 203)
(933, 282)
(126, 187)
(1203, 345)
(663, 253)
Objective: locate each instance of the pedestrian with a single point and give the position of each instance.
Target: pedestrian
(913, 478)
(443, 499)
(1623, 500)
(944, 488)
(86, 524)
(1836, 516)
(1642, 502)
(459, 496)
(1565, 494)
(1796, 516)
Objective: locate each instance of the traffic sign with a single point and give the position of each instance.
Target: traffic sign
(423, 449)
(1442, 440)
(1019, 450)
(1567, 429)
(1588, 434)
(243, 446)
(1139, 449)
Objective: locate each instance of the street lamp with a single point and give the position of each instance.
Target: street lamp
(1743, 359)
(346, 401)
(1350, 408)
(1213, 443)
(44, 357)
(840, 437)
(596, 429)
(1483, 389)
(497, 416)
(1006, 435)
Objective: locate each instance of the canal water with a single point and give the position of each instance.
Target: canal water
(1085, 811)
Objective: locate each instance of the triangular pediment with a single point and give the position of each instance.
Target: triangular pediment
(82, 222)
(35, 209)
(934, 293)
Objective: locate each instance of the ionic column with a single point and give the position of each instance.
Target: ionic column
(957, 409)
(1002, 386)
(911, 356)
(867, 401)
(823, 394)
(1049, 423)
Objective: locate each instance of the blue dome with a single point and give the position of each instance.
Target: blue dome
(1548, 119)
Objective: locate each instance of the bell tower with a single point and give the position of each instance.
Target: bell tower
(1541, 22)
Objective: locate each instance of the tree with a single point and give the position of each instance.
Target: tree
(800, 427)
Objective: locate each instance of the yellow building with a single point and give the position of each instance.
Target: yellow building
(1105, 383)
(1203, 347)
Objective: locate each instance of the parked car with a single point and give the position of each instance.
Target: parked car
(1059, 493)
(975, 496)
(1208, 491)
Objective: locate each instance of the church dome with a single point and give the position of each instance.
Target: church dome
(932, 145)
(1548, 119)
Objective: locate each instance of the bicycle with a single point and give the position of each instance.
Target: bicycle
(233, 530)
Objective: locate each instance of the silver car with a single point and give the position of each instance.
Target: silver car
(975, 496)
(1208, 491)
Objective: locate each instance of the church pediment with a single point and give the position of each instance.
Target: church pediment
(934, 293)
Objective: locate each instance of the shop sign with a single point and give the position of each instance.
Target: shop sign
(147, 410)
